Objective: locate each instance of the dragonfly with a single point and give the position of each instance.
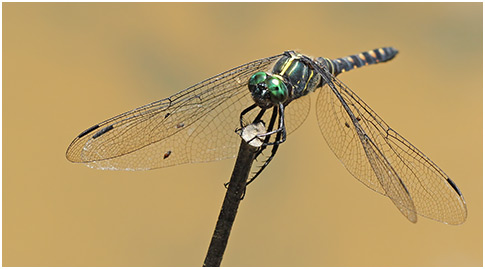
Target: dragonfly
(198, 125)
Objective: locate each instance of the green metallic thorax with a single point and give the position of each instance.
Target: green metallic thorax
(298, 77)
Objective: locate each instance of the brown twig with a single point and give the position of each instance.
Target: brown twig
(234, 194)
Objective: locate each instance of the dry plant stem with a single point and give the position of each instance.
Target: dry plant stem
(235, 190)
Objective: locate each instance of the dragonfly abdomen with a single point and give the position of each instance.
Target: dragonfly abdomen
(348, 63)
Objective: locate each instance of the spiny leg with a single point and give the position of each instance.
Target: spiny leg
(273, 153)
(280, 135)
(281, 129)
(245, 111)
(259, 116)
(278, 140)
(256, 119)
(270, 126)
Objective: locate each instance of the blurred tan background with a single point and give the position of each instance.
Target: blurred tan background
(67, 66)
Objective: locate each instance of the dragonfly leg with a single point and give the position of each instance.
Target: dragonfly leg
(272, 121)
(245, 111)
(281, 129)
(259, 116)
(280, 136)
(257, 119)
(270, 126)
(270, 158)
(275, 144)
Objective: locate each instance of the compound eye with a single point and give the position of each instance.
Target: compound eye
(256, 78)
(277, 90)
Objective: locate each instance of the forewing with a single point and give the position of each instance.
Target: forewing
(382, 159)
(194, 125)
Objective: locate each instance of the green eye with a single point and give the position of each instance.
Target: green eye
(267, 90)
(257, 78)
(277, 89)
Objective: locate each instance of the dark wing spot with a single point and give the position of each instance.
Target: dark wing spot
(453, 185)
(87, 131)
(103, 131)
(166, 115)
(347, 125)
(404, 186)
(167, 154)
(180, 125)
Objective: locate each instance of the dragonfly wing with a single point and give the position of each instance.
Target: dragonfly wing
(194, 125)
(382, 159)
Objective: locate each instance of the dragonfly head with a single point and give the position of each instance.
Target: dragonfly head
(267, 90)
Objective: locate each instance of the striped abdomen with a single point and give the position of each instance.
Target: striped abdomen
(348, 63)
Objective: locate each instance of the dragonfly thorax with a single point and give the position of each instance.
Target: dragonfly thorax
(299, 76)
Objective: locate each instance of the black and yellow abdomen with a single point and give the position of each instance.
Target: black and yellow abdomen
(348, 63)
